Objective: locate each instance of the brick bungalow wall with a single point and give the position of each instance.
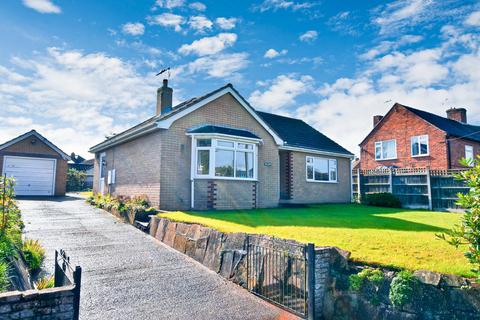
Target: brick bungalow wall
(304, 191)
(401, 125)
(176, 153)
(39, 149)
(137, 168)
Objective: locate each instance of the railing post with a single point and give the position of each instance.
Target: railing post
(77, 280)
(429, 190)
(311, 281)
(390, 180)
(359, 191)
(56, 274)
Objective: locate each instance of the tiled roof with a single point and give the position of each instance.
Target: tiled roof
(451, 127)
(297, 133)
(224, 130)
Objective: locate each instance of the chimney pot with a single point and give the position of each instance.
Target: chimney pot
(457, 114)
(164, 98)
(376, 120)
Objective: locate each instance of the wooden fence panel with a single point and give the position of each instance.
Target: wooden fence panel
(416, 188)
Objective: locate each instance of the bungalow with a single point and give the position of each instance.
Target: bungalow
(217, 152)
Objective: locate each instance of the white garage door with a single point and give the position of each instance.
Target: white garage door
(33, 176)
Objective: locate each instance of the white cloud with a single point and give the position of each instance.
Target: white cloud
(226, 23)
(74, 98)
(218, 66)
(275, 5)
(200, 23)
(385, 46)
(169, 4)
(473, 19)
(169, 20)
(424, 79)
(309, 36)
(272, 53)
(281, 93)
(198, 6)
(134, 29)
(209, 45)
(42, 6)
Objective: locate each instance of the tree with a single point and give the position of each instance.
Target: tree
(468, 231)
(76, 180)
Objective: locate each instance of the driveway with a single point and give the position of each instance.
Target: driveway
(128, 274)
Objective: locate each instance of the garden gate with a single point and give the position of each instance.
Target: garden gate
(65, 274)
(282, 273)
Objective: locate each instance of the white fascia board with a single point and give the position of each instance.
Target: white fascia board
(326, 153)
(225, 136)
(166, 123)
(122, 138)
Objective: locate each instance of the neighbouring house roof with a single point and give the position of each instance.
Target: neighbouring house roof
(451, 127)
(297, 133)
(39, 137)
(224, 130)
(315, 142)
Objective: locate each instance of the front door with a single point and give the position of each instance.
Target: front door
(101, 181)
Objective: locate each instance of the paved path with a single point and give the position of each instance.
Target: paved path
(128, 274)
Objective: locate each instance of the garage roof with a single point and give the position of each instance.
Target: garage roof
(38, 136)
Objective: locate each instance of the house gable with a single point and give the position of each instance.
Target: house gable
(34, 143)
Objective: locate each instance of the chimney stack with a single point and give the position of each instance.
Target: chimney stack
(457, 114)
(164, 98)
(376, 120)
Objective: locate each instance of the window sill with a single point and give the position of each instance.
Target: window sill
(223, 178)
(315, 181)
(420, 155)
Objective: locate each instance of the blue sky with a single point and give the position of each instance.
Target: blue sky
(79, 70)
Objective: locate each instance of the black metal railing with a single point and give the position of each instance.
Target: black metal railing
(65, 274)
(281, 273)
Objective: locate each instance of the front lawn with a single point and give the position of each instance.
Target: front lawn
(383, 236)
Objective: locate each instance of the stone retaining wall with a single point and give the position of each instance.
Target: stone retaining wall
(437, 296)
(46, 304)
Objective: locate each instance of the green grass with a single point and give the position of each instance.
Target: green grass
(382, 236)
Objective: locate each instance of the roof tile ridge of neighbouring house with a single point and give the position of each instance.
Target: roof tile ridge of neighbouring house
(443, 118)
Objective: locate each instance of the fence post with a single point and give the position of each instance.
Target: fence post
(390, 181)
(359, 192)
(429, 190)
(311, 281)
(77, 280)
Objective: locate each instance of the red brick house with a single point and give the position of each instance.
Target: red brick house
(410, 138)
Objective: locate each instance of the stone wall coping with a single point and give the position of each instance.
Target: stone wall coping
(28, 294)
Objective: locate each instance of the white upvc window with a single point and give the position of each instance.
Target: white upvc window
(469, 154)
(419, 146)
(224, 158)
(386, 150)
(321, 169)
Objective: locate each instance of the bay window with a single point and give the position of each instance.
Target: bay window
(321, 169)
(224, 158)
(386, 150)
(419, 146)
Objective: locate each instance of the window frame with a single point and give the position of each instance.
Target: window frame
(419, 148)
(328, 169)
(212, 156)
(381, 149)
(472, 153)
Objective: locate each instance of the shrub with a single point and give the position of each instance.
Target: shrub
(45, 282)
(76, 180)
(34, 254)
(375, 276)
(4, 278)
(402, 288)
(383, 199)
(468, 231)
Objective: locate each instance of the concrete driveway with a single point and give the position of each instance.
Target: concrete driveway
(128, 274)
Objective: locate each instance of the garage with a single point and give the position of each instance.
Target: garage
(33, 176)
(37, 165)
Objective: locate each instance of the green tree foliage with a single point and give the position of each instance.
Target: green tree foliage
(76, 180)
(468, 231)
